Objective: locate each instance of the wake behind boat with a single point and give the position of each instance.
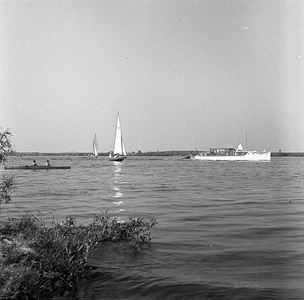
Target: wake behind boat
(36, 167)
(230, 154)
(119, 152)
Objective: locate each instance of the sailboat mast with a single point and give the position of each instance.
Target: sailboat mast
(246, 141)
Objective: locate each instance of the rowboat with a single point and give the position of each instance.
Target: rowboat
(36, 167)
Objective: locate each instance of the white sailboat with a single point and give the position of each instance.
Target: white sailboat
(119, 152)
(95, 147)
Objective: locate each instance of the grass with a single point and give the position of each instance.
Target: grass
(39, 261)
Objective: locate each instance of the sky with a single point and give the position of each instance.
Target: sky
(182, 74)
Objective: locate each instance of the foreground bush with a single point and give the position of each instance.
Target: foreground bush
(39, 261)
(5, 144)
(7, 186)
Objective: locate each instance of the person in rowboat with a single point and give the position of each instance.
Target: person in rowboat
(34, 163)
(47, 163)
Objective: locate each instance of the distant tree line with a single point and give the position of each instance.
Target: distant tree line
(139, 153)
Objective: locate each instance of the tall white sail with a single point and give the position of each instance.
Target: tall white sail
(118, 138)
(119, 152)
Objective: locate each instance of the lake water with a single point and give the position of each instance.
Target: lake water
(226, 230)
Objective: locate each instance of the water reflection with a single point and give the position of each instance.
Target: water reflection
(117, 183)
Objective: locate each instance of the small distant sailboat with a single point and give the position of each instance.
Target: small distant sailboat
(95, 147)
(119, 153)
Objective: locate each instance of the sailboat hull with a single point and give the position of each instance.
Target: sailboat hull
(117, 157)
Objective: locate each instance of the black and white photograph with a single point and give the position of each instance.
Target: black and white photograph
(152, 149)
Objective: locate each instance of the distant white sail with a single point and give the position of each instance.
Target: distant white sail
(95, 146)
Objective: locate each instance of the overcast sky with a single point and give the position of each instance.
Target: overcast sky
(183, 74)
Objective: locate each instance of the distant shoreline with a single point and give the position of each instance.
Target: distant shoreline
(287, 153)
(149, 153)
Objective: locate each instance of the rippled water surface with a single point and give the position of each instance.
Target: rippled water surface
(226, 230)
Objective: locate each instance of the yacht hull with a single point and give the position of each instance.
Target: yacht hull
(248, 156)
